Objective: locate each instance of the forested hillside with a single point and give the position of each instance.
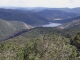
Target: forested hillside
(38, 44)
(8, 28)
(71, 23)
(52, 15)
(18, 15)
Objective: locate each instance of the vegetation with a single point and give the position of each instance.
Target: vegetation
(56, 15)
(76, 42)
(38, 44)
(60, 43)
(26, 17)
(8, 28)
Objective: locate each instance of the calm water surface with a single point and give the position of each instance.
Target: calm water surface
(52, 25)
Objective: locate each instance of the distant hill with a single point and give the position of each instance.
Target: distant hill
(37, 9)
(36, 18)
(67, 20)
(73, 24)
(19, 15)
(73, 10)
(8, 28)
(33, 9)
(52, 15)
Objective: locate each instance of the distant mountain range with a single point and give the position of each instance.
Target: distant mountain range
(18, 15)
(52, 15)
(37, 9)
(73, 10)
(35, 18)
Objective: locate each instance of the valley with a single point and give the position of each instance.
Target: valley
(52, 25)
(39, 34)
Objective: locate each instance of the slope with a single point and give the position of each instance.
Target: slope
(38, 44)
(74, 22)
(7, 28)
(56, 14)
(73, 10)
(18, 15)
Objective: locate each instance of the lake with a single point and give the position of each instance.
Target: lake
(52, 25)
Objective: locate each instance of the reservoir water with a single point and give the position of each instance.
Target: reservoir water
(52, 25)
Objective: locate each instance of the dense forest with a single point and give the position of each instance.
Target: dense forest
(41, 44)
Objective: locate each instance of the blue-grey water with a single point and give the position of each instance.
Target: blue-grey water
(51, 25)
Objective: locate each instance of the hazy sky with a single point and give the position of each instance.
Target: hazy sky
(41, 3)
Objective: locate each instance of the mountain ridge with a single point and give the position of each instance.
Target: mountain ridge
(26, 17)
(8, 28)
(72, 24)
(54, 15)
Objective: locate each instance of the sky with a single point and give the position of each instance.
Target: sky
(41, 3)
